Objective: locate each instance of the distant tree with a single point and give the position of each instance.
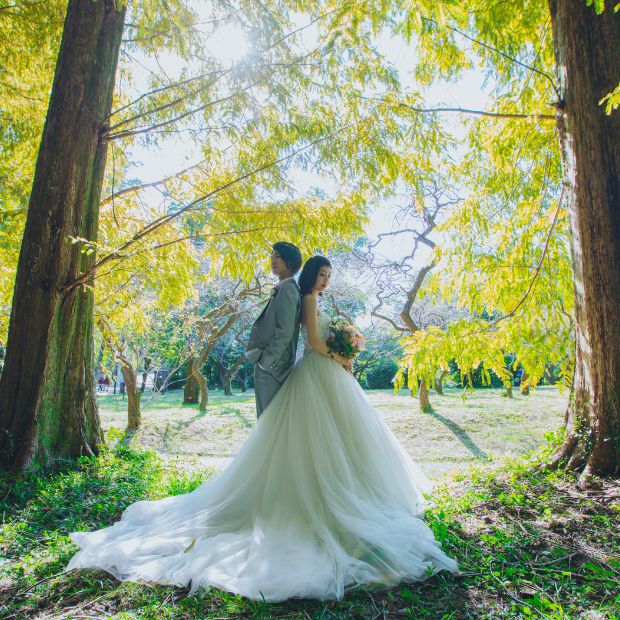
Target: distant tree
(398, 283)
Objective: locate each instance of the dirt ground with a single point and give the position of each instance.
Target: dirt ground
(459, 431)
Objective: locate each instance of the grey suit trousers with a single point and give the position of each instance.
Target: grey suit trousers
(265, 388)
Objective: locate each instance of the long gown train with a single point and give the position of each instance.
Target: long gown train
(320, 498)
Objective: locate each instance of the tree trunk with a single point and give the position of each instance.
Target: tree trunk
(548, 374)
(47, 389)
(134, 396)
(439, 382)
(509, 393)
(524, 389)
(230, 374)
(221, 373)
(587, 54)
(190, 391)
(199, 362)
(425, 403)
(145, 373)
(202, 386)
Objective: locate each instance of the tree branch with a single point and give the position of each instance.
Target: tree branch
(165, 219)
(507, 56)
(387, 319)
(536, 271)
(140, 187)
(418, 110)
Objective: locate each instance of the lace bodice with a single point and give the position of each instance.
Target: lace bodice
(323, 320)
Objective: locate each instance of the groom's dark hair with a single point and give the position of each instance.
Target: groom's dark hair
(290, 254)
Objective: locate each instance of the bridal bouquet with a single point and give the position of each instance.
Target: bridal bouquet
(344, 338)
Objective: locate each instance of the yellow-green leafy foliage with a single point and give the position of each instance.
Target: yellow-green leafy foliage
(504, 250)
(29, 39)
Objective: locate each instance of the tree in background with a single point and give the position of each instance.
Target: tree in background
(376, 366)
(398, 282)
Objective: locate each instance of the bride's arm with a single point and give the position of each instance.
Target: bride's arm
(310, 320)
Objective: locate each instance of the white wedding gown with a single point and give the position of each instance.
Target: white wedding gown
(320, 498)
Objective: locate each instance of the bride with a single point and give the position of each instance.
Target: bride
(321, 497)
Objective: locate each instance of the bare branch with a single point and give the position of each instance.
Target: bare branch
(419, 110)
(504, 54)
(161, 89)
(412, 294)
(387, 319)
(142, 186)
(337, 309)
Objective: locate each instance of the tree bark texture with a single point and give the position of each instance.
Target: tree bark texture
(425, 403)
(134, 395)
(587, 54)
(439, 382)
(190, 390)
(47, 389)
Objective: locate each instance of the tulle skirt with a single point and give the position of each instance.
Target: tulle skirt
(321, 498)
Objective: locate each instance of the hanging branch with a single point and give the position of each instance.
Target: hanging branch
(501, 53)
(165, 219)
(420, 110)
(537, 270)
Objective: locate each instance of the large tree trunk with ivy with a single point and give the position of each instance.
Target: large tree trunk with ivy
(587, 51)
(47, 389)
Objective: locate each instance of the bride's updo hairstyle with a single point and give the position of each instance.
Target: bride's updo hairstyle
(309, 273)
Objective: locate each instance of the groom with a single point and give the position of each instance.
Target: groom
(273, 340)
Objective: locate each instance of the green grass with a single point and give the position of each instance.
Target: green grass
(529, 545)
(458, 432)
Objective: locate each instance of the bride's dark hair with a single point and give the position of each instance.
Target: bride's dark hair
(309, 273)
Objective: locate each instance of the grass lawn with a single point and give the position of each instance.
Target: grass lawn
(458, 432)
(528, 542)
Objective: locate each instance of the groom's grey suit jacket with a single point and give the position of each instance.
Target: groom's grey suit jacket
(274, 335)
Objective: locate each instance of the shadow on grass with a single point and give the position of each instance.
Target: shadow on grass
(460, 433)
(243, 418)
